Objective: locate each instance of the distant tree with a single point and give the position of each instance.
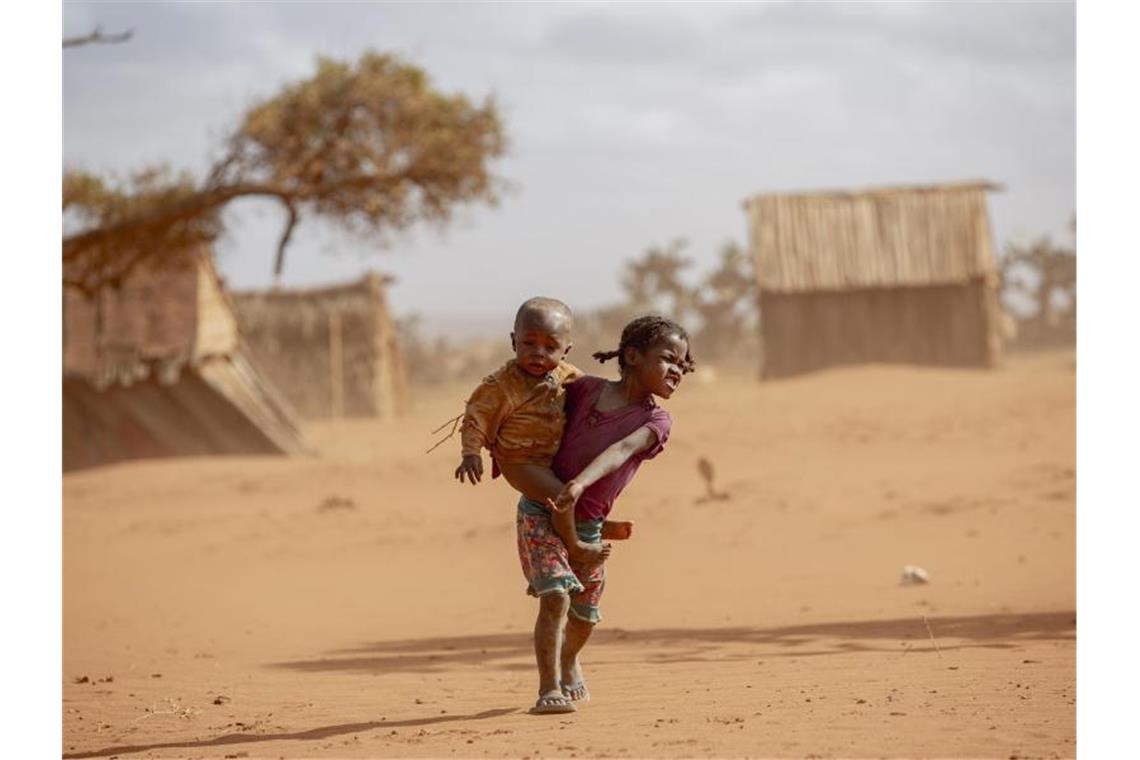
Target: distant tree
(720, 311)
(653, 282)
(726, 304)
(372, 146)
(1045, 275)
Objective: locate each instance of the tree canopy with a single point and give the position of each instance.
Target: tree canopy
(373, 146)
(1045, 275)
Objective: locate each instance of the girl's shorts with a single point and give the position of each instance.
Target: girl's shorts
(546, 563)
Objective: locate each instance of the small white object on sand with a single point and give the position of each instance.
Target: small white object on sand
(913, 575)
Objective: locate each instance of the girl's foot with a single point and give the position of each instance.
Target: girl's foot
(616, 531)
(551, 703)
(572, 683)
(576, 692)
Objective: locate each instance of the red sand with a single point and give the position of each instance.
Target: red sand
(216, 610)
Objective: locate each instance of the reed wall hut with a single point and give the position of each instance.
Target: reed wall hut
(893, 274)
(157, 367)
(332, 350)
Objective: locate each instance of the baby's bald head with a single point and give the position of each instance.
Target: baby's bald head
(546, 314)
(541, 337)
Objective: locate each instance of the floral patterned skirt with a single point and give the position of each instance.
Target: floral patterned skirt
(546, 563)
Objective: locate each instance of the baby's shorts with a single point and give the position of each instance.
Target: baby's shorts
(546, 563)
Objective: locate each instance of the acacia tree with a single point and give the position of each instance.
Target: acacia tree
(726, 303)
(654, 282)
(1046, 275)
(721, 309)
(372, 146)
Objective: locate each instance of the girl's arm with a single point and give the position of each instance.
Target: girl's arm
(608, 461)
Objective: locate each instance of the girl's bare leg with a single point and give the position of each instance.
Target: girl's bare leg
(577, 634)
(552, 610)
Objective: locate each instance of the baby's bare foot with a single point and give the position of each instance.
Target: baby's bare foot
(617, 531)
(588, 555)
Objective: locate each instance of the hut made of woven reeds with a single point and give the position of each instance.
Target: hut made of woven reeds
(157, 367)
(331, 350)
(893, 274)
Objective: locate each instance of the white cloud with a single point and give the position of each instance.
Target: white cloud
(630, 124)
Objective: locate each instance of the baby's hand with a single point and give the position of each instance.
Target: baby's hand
(471, 467)
(566, 498)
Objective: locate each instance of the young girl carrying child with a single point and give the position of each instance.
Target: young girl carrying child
(612, 426)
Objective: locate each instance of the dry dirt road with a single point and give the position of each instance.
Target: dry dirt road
(361, 603)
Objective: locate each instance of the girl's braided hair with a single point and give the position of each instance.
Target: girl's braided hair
(644, 332)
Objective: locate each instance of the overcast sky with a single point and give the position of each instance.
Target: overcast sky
(629, 124)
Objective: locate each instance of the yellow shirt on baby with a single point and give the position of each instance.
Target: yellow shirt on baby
(518, 416)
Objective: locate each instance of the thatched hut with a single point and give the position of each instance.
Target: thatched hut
(893, 274)
(156, 367)
(332, 350)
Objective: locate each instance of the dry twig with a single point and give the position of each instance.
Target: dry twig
(454, 422)
(175, 709)
(97, 36)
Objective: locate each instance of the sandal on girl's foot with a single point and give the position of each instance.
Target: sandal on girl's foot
(553, 703)
(576, 692)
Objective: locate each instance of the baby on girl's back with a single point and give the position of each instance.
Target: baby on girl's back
(518, 413)
(570, 443)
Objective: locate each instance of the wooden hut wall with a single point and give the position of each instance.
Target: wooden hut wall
(950, 325)
(389, 375)
(331, 352)
(114, 334)
(217, 331)
(903, 274)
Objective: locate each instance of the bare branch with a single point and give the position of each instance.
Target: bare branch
(97, 37)
(288, 233)
(216, 197)
(76, 244)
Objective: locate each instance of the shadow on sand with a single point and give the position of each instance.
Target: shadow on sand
(324, 732)
(661, 645)
(655, 646)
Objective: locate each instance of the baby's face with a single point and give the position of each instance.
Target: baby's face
(540, 343)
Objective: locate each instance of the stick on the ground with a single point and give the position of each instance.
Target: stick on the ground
(175, 709)
(931, 634)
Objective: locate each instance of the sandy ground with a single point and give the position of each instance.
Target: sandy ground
(361, 603)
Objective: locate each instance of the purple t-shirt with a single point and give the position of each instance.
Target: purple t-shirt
(589, 432)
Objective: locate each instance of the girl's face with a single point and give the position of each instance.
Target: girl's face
(658, 367)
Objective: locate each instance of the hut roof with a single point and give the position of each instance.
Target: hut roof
(331, 349)
(158, 367)
(256, 308)
(368, 282)
(871, 238)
